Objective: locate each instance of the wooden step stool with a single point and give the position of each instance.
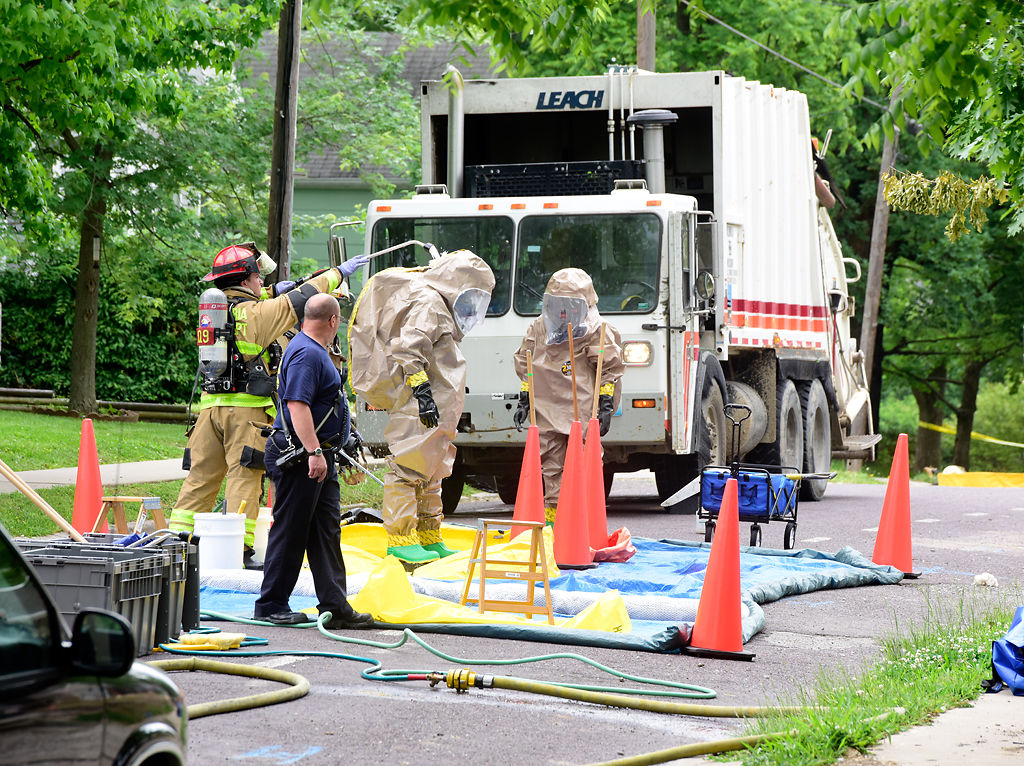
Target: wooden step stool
(536, 571)
(150, 505)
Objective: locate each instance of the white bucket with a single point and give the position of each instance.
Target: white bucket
(263, 522)
(221, 539)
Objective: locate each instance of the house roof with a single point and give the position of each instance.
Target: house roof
(421, 63)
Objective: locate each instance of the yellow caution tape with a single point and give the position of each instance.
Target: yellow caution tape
(974, 434)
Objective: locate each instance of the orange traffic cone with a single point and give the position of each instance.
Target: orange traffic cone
(718, 629)
(892, 543)
(530, 495)
(88, 486)
(593, 472)
(572, 540)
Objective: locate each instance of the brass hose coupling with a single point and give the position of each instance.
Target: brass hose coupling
(462, 680)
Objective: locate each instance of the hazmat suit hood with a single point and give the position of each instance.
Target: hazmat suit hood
(572, 283)
(455, 272)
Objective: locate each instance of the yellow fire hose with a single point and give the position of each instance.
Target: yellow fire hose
(464, 679)
(298, 685)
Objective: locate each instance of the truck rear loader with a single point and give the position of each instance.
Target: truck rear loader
(690, 200)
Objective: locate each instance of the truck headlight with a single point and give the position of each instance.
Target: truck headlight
(637, 353)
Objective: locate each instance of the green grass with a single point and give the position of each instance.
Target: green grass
(854, 477)
(22, 518)
(923, 672)
(32, 441)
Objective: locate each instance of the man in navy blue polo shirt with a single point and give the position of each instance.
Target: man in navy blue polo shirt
(312, 420)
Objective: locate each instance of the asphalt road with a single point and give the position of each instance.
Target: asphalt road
(957, 533)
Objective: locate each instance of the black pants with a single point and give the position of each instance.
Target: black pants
(307, 521)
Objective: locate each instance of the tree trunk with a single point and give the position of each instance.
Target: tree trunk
(928, 450)
(82, 394)
(965, 415)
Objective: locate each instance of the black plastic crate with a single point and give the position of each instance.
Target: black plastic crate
(549, 178)
(126, 582)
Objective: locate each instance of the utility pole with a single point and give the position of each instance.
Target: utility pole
(876, 260)
(645, 35)
(282, 155)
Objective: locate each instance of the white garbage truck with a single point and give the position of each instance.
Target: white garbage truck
(690, 200)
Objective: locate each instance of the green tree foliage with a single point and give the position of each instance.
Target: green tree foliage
(188, 182)
(181, 182)
(82, 86)
(956, 69)
(352, 98)
(513, 29)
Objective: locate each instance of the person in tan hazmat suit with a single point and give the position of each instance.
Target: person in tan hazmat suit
(404, 357)
(568, 298)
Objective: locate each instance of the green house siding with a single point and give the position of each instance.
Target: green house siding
(341, 203)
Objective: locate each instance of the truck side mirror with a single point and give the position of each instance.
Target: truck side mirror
(336, 253)
(705, 285)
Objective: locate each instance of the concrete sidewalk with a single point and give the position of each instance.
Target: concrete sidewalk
(112, 475)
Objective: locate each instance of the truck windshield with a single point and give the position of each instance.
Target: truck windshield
(490, 237)
(619, 251)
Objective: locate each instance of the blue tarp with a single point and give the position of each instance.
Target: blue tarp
(660, 586)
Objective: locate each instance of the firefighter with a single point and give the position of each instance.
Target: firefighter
(405, 358)
(239, 354)
(569, 298)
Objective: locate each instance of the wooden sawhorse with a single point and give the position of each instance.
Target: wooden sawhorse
(536, 571)
(148, 505)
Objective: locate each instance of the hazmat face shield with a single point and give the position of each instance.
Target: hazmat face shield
(559, 312)
(470, 308)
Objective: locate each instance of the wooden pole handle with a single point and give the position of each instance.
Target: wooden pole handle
(572, 369)
(32, 495)
(597, 380)
(529, 391)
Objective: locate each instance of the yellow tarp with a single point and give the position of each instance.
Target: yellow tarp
(389, 596)
(981, 479)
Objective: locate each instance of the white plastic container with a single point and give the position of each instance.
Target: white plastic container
(263, 524)
(221, 538)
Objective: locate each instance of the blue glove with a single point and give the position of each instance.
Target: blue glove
(350, 267)
(282, 287)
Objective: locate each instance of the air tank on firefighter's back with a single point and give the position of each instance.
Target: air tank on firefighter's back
(210, 335)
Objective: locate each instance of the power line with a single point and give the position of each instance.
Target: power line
(775, 53)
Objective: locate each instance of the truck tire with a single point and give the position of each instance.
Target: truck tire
(507, 486)
(451, 491)
(788, 449)
(714, 430)
(817, 428)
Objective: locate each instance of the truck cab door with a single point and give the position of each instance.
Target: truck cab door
(684, 338)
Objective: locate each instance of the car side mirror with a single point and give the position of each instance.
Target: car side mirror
(102, 643)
